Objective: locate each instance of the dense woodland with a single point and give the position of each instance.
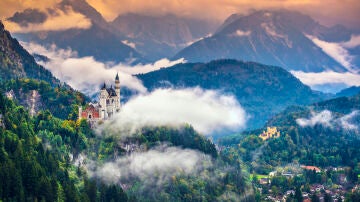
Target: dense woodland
(30, 171)
(62, 101)
(39, 151)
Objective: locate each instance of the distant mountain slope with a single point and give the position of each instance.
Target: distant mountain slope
(16, 62)
(339, 106)
(351, 91)
(95, 41)
(157, 37)
(269, 37)
(98, 41)
(322, 134)
(262, 90)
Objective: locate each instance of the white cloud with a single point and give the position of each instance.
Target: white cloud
(322, 118)
(207, 111)
(327, 77)
(153, 167)
(241, 33)
(348, 121)
(271, 30)
(195, 40)
(145, 68)
(327, 119)
(131, 44)
(353, 42)
(56, 20)
(336, 51)
(51, 52)
(86, 74)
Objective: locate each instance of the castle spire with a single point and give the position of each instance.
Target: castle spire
(104, 86)
(117, 77)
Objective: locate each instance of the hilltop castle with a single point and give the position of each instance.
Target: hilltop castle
(108, 105)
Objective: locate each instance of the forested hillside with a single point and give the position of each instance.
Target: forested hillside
(16, 62)
(322, 134)
(35, 95)
(262, 90)
(38, 162)
(32, 170)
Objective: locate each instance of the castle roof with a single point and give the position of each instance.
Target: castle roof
(103, 86)
(117, 77)
(111, 91)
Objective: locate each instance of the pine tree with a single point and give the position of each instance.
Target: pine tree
(298, 195)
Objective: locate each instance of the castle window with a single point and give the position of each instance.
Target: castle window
(89, 116)
(107, 102)
(112, 100)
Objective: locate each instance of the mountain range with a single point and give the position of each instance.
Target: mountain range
(282, 38)
(98, 41)
(158, 37)
(262, 90)
(128, 38)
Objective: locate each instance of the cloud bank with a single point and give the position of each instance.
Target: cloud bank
(353, 42)
(315, 79)
(153, 167)
(86, 74)
(207, 111)
(326, 118)
(56, 20)
(322, 118)
(336, 51)
(351, 121)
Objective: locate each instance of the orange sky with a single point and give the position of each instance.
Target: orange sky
(328, 12)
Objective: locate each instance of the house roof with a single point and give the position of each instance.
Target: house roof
(311, 168)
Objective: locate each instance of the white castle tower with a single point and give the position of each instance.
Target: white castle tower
(102, 101)
(117, 90)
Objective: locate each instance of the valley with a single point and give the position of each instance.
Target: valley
(260, 105)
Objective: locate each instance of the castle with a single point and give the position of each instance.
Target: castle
(108, 105)
(271, 132)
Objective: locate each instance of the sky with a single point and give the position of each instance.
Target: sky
(327, 12)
